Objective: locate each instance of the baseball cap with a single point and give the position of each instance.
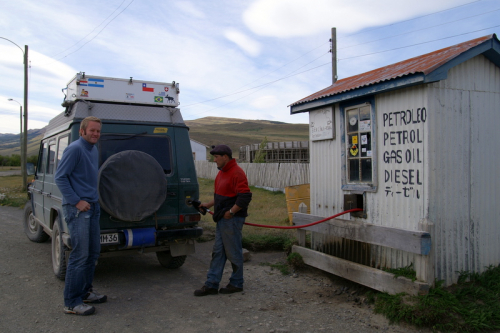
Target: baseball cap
(221, 150)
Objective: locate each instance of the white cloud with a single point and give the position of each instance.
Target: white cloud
(290, 18)
(265, 102)
(246, 43)
(188, 8)
(193, 42)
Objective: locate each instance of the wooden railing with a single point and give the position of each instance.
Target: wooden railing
(417, 242)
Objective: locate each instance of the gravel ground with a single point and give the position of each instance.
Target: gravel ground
(144, 297)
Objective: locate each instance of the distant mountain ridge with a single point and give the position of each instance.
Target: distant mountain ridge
(210, 131)
(9, 143)
(236, 132)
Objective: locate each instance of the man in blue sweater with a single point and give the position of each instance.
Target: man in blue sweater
(76, 177)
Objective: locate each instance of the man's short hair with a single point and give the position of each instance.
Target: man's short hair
(221, 150)
(85, 122)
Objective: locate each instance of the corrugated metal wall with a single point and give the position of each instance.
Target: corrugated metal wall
(399, 201)
(453, 153)
(465, 184)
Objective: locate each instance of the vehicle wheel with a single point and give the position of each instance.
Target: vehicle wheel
(167, 261)
(32, 229)
(58, 252)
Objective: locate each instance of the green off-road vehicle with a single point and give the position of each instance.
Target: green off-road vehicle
(147, 178)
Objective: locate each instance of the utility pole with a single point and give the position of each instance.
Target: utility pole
(24, 158)
(333, 50)
(24, 143)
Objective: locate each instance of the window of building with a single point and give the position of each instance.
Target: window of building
(359, 133)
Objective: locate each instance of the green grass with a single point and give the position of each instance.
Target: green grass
(293, 261)
(471, 305)
(282, 267)
(15, 192)
(9, 168)
(407, 272)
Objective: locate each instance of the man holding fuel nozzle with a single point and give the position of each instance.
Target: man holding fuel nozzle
(231, 198)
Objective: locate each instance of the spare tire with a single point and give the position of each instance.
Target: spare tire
(132, 185)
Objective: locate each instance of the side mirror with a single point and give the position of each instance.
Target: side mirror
(30, 169)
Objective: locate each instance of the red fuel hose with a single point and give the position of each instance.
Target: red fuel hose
(305, 225)
(299, 226)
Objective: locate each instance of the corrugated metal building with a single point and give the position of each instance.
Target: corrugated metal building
(414, 144)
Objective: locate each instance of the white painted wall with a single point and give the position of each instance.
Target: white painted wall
(199, 151)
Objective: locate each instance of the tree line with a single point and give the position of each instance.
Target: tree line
(15, 160)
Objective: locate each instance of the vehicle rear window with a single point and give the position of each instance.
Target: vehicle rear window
(157, 146)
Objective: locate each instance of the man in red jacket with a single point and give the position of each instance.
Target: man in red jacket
(231, 198)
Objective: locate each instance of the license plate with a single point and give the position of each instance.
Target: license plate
(110, 238)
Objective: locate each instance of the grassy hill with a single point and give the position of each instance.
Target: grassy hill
(240, 132)
(209, 131)
(9, 143)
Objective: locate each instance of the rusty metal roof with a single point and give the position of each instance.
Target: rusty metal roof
(424, 64)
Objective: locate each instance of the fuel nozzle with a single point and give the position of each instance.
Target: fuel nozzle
(197, 204)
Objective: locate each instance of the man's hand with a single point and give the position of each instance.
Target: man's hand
(83, 206)
(233, 210)
(207, 204)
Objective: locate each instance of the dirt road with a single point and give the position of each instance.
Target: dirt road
(144, 297)
(10, 173)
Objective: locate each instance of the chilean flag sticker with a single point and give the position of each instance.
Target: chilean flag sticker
(145, 88)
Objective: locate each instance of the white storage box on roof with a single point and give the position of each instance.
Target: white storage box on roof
(99, 88)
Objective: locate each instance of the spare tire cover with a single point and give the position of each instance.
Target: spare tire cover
(132, 185)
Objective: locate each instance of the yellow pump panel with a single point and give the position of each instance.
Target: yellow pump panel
(295, 195)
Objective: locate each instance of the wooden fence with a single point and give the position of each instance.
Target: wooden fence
(269, 175)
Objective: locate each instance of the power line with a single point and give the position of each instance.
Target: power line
(241, 91)
(98, 32)
(409, 32)
(91, 31)
(328, 63)
(434, 40)
(415, 18)
(287, 76)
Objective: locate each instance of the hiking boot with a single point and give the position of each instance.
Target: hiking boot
(82, 309)
(230, 289)
(93, 297)
(204, 291)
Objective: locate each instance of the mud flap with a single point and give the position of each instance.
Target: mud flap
(177, 250)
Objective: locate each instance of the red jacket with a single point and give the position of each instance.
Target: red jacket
(231, 187)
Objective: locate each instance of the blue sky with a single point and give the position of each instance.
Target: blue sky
(241, 59)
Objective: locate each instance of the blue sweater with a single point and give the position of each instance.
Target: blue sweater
(76, 174)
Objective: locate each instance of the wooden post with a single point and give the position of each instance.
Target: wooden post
(301, 233)
(334, 54)
(424, 264)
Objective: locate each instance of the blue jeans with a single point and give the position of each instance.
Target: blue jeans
(227, 246)
(86, 246)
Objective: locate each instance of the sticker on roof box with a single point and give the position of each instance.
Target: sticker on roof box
(84, 93)
(160, 130)
(98, 83)
(130, 95)
(158, 99)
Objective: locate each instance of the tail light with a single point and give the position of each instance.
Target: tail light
(189, 218)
